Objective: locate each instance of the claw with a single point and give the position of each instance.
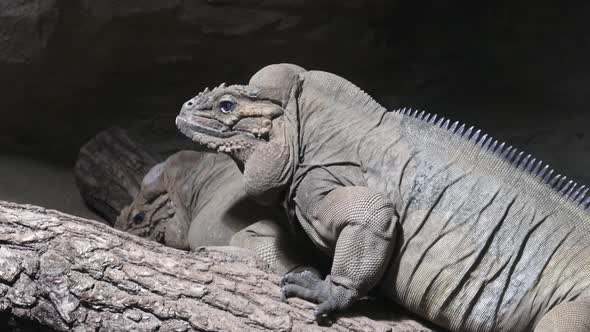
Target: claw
(321, 318)
(283, 281)
(318, 315)
(283, 296)
(308, 286)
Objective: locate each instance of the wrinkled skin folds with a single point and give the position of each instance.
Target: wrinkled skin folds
(455, 226)
(250, 124)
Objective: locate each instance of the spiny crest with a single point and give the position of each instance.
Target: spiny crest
(212, 92)
(579, 194)
(331, 85)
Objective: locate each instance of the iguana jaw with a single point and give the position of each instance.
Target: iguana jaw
(208, 127)
(235, 141)
(231, 119)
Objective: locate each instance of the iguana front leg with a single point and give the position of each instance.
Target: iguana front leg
(361, 223)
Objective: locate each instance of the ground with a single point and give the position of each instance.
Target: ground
(37, 182)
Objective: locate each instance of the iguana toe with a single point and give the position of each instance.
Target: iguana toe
(300, 284)
(304, 278)
(308, 286)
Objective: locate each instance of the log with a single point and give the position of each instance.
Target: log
(74, 274)
(112, 164)
(109, 171)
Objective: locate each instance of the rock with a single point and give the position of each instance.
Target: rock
(25, 29)
(78, 66)
(70, 69)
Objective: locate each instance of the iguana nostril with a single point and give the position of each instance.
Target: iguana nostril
(190, 103)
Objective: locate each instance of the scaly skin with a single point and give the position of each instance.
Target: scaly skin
(196, 199)
(188, 186)
(451, 224)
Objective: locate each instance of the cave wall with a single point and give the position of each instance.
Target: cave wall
(70, 68)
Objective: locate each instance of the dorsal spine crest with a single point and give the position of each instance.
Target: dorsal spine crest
(569, 189)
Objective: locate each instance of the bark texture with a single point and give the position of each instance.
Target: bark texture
(75, 274)
(109, 171)
(112, 164)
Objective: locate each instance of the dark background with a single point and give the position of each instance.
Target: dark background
(71, 68)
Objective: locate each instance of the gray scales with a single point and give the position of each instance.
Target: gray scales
(459, 228)
(188, 200)
(195, 199)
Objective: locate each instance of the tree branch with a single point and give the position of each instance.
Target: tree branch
(109, 171)
(75, 274)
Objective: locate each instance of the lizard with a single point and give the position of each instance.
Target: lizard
(195, 199)
(456, 226)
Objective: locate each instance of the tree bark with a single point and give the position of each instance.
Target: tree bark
(70, 273)
(109, 171)
(112, 164)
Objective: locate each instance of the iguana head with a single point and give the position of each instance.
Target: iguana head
(153, 215)
(237, 119)
(233, 119)
(249, 122)
(147, 217)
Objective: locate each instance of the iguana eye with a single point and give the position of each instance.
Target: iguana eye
(138, 217)
(226, 106)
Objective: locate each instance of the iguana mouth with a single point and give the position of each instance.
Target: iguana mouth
(249, 127)
(209, 127)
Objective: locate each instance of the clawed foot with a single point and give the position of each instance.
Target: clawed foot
(308, 286)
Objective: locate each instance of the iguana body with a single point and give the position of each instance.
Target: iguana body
(455, 226)
(196, 199)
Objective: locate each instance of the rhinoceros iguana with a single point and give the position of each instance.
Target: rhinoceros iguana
(454, 225)
(196, 199)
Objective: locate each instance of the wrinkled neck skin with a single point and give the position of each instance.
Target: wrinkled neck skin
(269, 167)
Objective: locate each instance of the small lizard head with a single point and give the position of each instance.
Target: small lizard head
(153, 215)
(147, 216)
(233, 119)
